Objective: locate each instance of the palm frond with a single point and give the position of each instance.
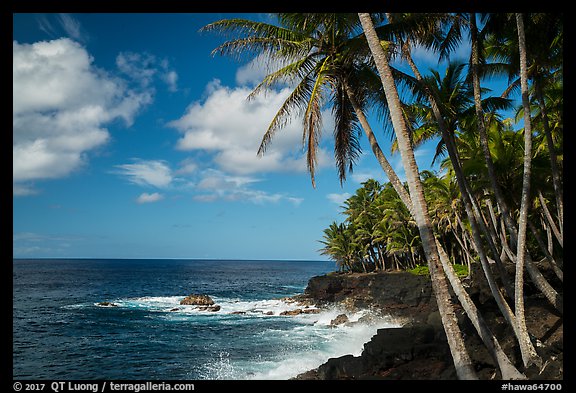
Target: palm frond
(295, 70)
(347, 148)
(313, 119)
(295, 101)
(257, 37)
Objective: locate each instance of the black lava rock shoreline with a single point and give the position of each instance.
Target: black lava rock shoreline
(419, 350)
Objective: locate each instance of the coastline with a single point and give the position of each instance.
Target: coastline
(418, 350)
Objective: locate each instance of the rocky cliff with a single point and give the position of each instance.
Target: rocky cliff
(401, 294)
(419, 349)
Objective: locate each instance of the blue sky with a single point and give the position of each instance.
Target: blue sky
(131, 141)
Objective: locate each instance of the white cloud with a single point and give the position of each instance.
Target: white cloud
(171, 79)
(144, 68)
(231, 128)
(338, 198)
(206, 185)
(149, 198)
(23, 190)
(216, 185)
(187, 167)
(61, 104)
(361, 177)
(154, 173)
(72, 27)
(138, 66)
(63, 24)
(254, 72)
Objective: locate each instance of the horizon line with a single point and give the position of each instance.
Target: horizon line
(179, 258)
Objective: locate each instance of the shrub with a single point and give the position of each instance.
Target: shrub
(422, 270)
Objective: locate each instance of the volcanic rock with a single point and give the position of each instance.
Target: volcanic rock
(197, 300)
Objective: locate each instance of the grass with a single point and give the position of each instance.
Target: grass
(422, 270)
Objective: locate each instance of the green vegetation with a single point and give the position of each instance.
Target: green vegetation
(422, 270)
(497, 200)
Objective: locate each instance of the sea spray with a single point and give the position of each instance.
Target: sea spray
(281, 346)
(63, 328)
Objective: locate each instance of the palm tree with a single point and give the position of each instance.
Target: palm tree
(460, 355)
(324, 54)
(312, 52)
(528, 357)
(403, 238)
(451, 108)
(545, 34)
(362, 213)
(340, 246)
(329, 67)
(539, 280)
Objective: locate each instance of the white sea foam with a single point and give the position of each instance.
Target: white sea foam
(310, 340)
(326, 342)
(267, 307)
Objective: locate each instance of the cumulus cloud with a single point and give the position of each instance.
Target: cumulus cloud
(149, 198)
(254, 71)
(61, 105)
(229, 127)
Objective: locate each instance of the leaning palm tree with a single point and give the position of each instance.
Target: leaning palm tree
(539, 280)
(327, 59)
(322, 62)
(544, 31)
(451, 104)
(313, 53)
(527, 357)
(460, 355)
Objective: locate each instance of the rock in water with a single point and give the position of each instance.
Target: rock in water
(291, 312)
(107, 304)
(209, 308)
(197, 300)
(339, 320)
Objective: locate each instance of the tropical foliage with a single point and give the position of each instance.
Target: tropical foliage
(497, 201)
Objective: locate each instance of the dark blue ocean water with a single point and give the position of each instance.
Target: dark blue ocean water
(61, 332)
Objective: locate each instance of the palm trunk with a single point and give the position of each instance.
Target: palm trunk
(507, 369)
(462, 361)
(384, 164)
(482, 132)
(475, 222)
(553, 297)
(556, 180)
(498, 257)
(551, 222)
(528, 357)
(548, 255)
(474, 215)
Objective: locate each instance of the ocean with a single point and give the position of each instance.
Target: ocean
(64, 330)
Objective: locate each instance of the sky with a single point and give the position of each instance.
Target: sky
(130, 140)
